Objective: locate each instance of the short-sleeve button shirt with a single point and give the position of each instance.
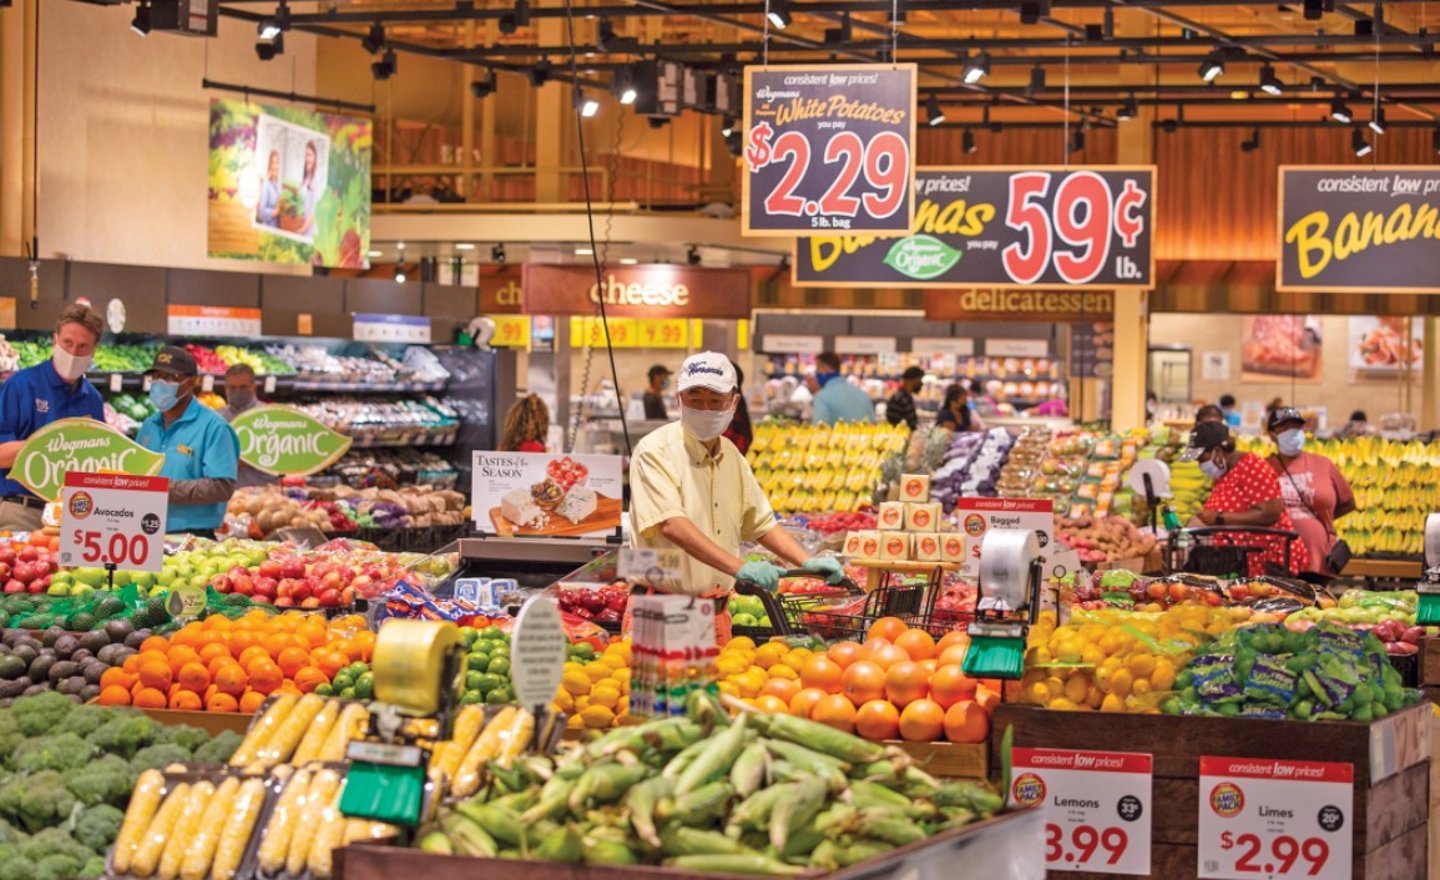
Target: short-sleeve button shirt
(198, 445)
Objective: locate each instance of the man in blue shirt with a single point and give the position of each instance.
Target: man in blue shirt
(36, 396)
(202, 453)
(838, 400)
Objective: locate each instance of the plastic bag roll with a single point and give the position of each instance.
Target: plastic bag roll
(1005, 557)
(1432, 540)
(409, 660)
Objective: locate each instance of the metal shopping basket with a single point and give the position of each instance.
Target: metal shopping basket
(846, 612)
(1203, 550)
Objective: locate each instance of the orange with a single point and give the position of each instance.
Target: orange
(266, 677)
(988, 700)
(953, 637)
(155, 674)
(117, 677)
(922, 721)
(114, 695)
(929, 666)
(292, 660)
(187, 635)
(330, 661)
(240, 640)
(771, 704)
(952, 655)
(155, 643)
(231, 679)
(836, 711)
(308, 678)
(890, 628)
(221, 703)
(864, 681)
(877, 719)
(359, 646)
(886, 656)
(274, 643)
(214, 666)
(218, 623)
(252, 701)
(905, 683)
(918, 643)
(844, 653)
(967, 722)
(251, 654)
(186, 700)
(869, 647)
(131, 664)
(149, 698)
(949, 685)
(213, 650)
(179, 655)
(161, 656)
(313, 632)
(804, 701)
(784, 688)
(210, 691)
(193, 677)
(821, 672)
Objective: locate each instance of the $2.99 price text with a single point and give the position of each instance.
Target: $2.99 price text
(883, 162)
(1284, 852)
(1105, 846)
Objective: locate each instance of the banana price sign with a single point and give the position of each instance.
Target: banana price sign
(81, 446)
(828, 148)
(999, 227)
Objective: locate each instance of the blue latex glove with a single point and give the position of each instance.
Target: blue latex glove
(827, 567)
(762, 574)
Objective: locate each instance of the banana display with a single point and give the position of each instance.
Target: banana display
(760, 794)
(823, 468)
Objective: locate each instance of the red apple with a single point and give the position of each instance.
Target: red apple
(14, 586)
(347, 596)
(244, 585)
(220, 583)
(270, 569)
(284, 602)
(329, 598)
(23, 572)
(266, 586)
(292, 568)
(4, 571)
(28, 554)
(7, 555)
(310, 602)
(332, 580)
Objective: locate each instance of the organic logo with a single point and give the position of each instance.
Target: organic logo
(922, 257)
(81, 504)
(1227, 800)
(1028, 790)
(279, 440)
(974, 525)
(80, 445)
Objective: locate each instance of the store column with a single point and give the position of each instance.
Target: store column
(17, 135)
(552, 121)
(1134, 146)
(1430, 379)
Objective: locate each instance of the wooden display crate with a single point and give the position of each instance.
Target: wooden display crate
(1391, 759)
(1430, 663)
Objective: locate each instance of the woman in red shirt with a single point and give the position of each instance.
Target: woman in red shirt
(1315, 492)
(1246, 493)
(526, 425)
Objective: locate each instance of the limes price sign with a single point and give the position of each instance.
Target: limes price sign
(1096, 807)
(113, 519)
(1275, 820)
(827, 148)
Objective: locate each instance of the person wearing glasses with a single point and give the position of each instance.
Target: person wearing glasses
(692, 490)
(1315, 492)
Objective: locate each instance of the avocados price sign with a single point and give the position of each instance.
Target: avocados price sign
(1003, 227)
(1359, 230)
(283, 441)
(79, 446)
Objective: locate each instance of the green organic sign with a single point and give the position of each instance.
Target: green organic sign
(282, 441)
(921, 257)
(81, 445)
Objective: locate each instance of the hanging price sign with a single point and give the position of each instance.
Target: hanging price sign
(511, 331)
(663, 332)
(1096, 806)
(1275, 819)
(113, 519)
(829, 147)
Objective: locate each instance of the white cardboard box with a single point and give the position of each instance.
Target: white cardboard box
(869, 544)
(952, 547)
(927, 546)
(915, 487)
(922, 517)
(891, 517)
(894, 545)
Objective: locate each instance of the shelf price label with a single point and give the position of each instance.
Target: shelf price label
(183, 320)
(511, 331)
(829, 148)
(113, 519)
(1274, 820)
(1096, 807)
(664, 332)
(588, 329)
(391, 328)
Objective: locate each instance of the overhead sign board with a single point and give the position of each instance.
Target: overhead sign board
(647, 291)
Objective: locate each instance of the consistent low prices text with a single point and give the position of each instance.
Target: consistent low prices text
(979, 515)
(113, 519)
(1096, 807)
(1275, 820)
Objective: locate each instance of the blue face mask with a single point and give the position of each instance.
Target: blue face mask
(822, 378)
(164, 395)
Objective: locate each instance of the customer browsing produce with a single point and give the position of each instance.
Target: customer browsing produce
(1315, 492)
(836, 400)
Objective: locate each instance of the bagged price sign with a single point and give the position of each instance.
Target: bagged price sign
(1096, 806)
(113, 519)
(829, 147)
(1275, 819)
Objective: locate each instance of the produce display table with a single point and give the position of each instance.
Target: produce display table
(1383, 569)
(1391, 759)
(1004, 848)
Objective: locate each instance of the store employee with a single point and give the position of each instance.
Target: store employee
(36, 396)
(201, 451)
(691, 489)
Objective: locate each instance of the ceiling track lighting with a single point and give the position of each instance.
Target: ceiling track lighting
(266, 50)
(512, 21)
(1358, 143)
(1037, 78)
(1270, 84)
(779, 14)
(1377, 120)
(976, 68)
(1213, 67)
(587, 105)
(727, 126)
(1129, 110)
(1314, 9)
(483, 88)
(540, 74)
(272, 26)
(604, 35)
(1077, 141)
(967, 141)
(374, 41)
(933, 114)
(1340, 112)
(400, 273)
(1253, 144)
(497, 254)
(692, 256)
(385, 67)
(1435, 139)
(842, 34)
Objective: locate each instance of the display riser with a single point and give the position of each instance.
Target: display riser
(1430, 663)
(1391, 758)
(1434, 854)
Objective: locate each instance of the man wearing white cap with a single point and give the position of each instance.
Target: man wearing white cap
(691, 489)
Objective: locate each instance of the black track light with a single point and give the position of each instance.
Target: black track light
(483, 88)
(1377, 120)
(266, 50)
(692, 256)
(1077, 141)
(1435, 139)
(1213, 66)
(976, 68)
(497, 254)
(842, 34)
(967, 141)
(1358, 143)
(727, 126)
(511, 22)
(399, 273)
(1129, 110)
(1314, 9)
(385, 67)
(604, 35)
(779, 14)
(1253, 144)
(140, 24)
(374, 41)
(1037, 78)
(540, 74)
(1340, 112)
(1270, 84)
(933, 114)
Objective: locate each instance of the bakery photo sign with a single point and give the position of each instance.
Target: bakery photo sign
(538, 494)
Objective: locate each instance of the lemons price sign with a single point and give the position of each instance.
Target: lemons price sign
(538, 649)
(82, 446)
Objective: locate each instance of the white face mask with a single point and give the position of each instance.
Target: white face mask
(1290, 442)
(70, 366)
(705, 424)
(1212, 470)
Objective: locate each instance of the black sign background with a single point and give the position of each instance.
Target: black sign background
(1402, 267)
(962, 210)
(774, 91)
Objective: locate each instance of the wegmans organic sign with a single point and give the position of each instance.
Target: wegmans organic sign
(82, 446)
(282, 441)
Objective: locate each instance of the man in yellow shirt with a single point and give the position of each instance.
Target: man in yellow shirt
(692, 490)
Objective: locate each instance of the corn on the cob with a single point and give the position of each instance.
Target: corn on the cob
(446, 762)
(487, 746)
(261, 731)
(347, 727)
(716, 759)
(275, 845)
(281, 746)
(317, 733)
(515, 738)
(323, 786)
(185, 828)
(144, 801)
(330, 836)
(196, 863)
(149, 848)
(360, 829)
(239, 825)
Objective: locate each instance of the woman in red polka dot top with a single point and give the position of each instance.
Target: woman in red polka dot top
(1246, 493)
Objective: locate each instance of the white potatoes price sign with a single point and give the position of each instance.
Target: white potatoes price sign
(1275, 820)
(1096, 806)
(113, 519)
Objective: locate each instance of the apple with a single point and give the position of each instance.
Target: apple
(7, 555)
(270, 569)
(347, 596)
(29, 554)
(14, 586)
(310, 602)
(332, 580)
(329, 598)
(284, 602)
(292, 568)
(220, 583)
(266, 587)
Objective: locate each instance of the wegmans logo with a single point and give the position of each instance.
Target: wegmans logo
(922, 257)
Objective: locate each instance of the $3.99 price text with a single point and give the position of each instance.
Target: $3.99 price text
(883, 161)
(1081, 215)
(123, 551)
(1105, 846)
(1285, 852)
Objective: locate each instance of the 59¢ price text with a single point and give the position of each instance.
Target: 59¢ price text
(122, 550)
(1084, 842)
(1285, 850)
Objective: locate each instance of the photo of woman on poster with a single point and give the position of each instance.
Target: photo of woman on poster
(267, 213)
(294, 182)
(309, 189)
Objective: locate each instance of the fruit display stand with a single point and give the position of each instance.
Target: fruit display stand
(1391, 760)
(876, 569)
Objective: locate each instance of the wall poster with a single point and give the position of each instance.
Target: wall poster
(1275, 347)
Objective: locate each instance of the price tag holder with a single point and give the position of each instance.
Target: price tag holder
(1097, 807)
(185, 602)
(113, 519)
(207, 383)
(1275, 820)
(269, 384)
(650, 565)
(538, 648)
(117, 382)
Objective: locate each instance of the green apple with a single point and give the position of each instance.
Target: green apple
(145, 579)
(124, 579)
(58, 589)
(81, 590)
(166, 577)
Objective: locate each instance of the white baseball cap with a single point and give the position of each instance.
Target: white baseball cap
(708, 369)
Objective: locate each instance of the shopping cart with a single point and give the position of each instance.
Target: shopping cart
(1203, 551)
(846, 611)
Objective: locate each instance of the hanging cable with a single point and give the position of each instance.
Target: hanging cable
(1065, 143)
(894, 31)
(765, 38)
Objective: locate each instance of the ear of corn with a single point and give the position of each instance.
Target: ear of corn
(198, 855)
(152, 845)
(185, 827)
(446, 761)
(515, 738)
(317, 733)
(144, 801)
(288, 734)
(331, 835)
(348, 726)
(487, 747)
(261, 731)
(275, 844)
(323, 786)
(239, 825)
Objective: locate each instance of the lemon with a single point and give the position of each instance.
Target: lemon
(796, 658)
(769, 654)
(1094, 697)
(1038, 693)
(1163, 678)
(622, 676)
(614, 661)
(750, 684)
(1092, 654)
(598, 717)
(604, 695)
(1112, 703)
(1141, 664)
(575, 722)
(1076, 689)
(582, 703)
(780, 670)
(1140, 687)
(575, 681)
(597, 670)
(563, 701)
(1063, 705)
(739, 643)
(1121, 682)
(729, 688)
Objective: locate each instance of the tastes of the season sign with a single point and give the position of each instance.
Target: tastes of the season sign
(280, 441)
(1351, 230)
(828, 147)
(80, 445)
(1003, 227)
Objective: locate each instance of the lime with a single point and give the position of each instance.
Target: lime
(584, 650)
(325, 690)
(365, 685)
(488, 682)
(473, 679)
(491, 633)
(500, 695)
(469, 634)
(478, 661)
(347, 694)
(471, 698)
(499, 666)
(342, 680)
(357, 669)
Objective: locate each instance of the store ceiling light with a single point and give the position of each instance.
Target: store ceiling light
(483, 88)
(1037, 78)
(779, 14)
(605, 35)
(1358, 143)
(692, 256)
(727, 127)
(266, 50)
(1377, 120)
(967, 141)
(1213, 66)
(464, 246)
(1253, 144)
(269, 28)
(587, 105)
(1270, 84)
(140, 24)
(511, 22)
(1129, 110)
(1341, 113)
(373, 254)
(934, 115)
(497, 254)
(628, 261)
(977, 68)
(399, 273)
(374, 41)
(385, 67)
(540, 73)
(584, 252)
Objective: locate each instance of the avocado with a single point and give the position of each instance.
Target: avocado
(11, 667)
(62, 669)
(83, 622)
(65, 646)
(13, 688)
(109, 607)
(52, 635)
(89, 692)
(40, 666)
(94, 641)
(113, 655)
(136, 638)
(93, 671)
(33, 621)
(118, 630)
(26, 653)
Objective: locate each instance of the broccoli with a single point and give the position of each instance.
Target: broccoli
(41, 713)
(183, 735)
(39, 800)
(64, 752)
(85, 720)
(10, 834)
(55, 841)
(219, 749)
(98, 826)
(17, 868)
(93, 869)
(57, 867)
(158, 757)
(125, 735)
(108, 780)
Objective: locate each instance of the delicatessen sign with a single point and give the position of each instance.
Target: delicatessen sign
(654, 291)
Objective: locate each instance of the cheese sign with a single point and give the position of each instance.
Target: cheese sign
(78, 445)
(282, 441)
